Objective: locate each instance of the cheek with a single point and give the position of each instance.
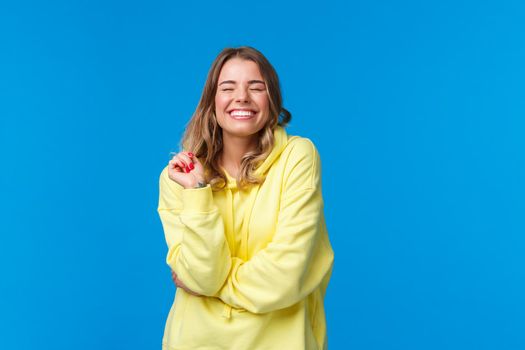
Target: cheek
(221, 103)
(264, 103)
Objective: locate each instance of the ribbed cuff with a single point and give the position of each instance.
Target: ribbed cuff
(197, 200)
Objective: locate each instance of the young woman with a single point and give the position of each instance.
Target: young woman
(242, 212)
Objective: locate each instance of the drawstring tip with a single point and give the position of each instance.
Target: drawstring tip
(227, 311)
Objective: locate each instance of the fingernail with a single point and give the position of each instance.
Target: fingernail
(192, 166)
(186, 170)
(190, 154)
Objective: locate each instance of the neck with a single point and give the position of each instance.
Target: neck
(234, 148)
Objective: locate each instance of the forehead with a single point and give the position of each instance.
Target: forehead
(240, 69)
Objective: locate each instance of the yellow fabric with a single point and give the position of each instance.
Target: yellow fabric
(260, 257)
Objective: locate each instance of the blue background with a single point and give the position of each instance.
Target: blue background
(417, 109)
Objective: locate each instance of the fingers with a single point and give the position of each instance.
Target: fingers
(176, 164)
(193, 158)
(182, 161)
(176, 280)
(192, 293)
(181, 285)
(187, 161)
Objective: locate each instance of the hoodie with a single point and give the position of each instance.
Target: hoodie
(260, 257)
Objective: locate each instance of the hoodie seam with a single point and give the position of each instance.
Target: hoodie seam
(169, 209)
(314, 164)
(310, 178)
(184, 212)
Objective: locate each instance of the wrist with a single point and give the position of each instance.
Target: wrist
(197, 200)
(197, 184)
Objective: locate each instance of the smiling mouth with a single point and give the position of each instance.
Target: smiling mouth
(242, 114)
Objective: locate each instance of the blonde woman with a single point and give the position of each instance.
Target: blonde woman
(242, 212)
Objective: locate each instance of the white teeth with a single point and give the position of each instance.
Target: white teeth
(237, 113)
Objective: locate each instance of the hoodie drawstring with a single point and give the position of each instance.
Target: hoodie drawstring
(250, 203)
(227, 309)
(230, 225)
(247, 217)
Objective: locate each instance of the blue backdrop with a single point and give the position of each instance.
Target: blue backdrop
(417, 109)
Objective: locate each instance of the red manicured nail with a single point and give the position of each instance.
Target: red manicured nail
(190, 154)
(192, 166)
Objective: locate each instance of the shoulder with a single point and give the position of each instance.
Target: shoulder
(300, 148)
(302, 162)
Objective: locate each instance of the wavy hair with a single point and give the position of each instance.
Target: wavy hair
(203, 135)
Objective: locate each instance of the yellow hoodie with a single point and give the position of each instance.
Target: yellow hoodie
(260, 257)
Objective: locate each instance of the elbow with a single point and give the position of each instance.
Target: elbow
(211, 286)
(290, 291)
(199, 276)
(207, 290)
(281, 297)
(218, 279)
(199, 282)
(208, 280)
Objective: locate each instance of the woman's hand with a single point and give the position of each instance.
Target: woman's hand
(179, 284)
(186, 170)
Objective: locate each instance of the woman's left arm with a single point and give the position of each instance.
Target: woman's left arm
(299, 257)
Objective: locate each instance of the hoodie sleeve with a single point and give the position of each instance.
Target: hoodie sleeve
(194, 232)
(299, 256)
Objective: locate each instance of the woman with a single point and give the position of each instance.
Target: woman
(242, 213)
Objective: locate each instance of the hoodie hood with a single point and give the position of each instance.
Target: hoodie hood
(280, 141)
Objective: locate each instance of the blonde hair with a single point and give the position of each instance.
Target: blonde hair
(203, 135)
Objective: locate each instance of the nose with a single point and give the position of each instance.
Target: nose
(242, 95)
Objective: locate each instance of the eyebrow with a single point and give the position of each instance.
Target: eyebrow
(249, 82)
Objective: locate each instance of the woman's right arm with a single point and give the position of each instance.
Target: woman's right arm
(197, 249)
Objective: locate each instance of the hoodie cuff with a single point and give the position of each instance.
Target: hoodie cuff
(197, 200)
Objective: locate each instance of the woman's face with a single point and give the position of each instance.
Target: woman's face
(241, 101)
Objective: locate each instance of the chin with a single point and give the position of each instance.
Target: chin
(244, 128)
